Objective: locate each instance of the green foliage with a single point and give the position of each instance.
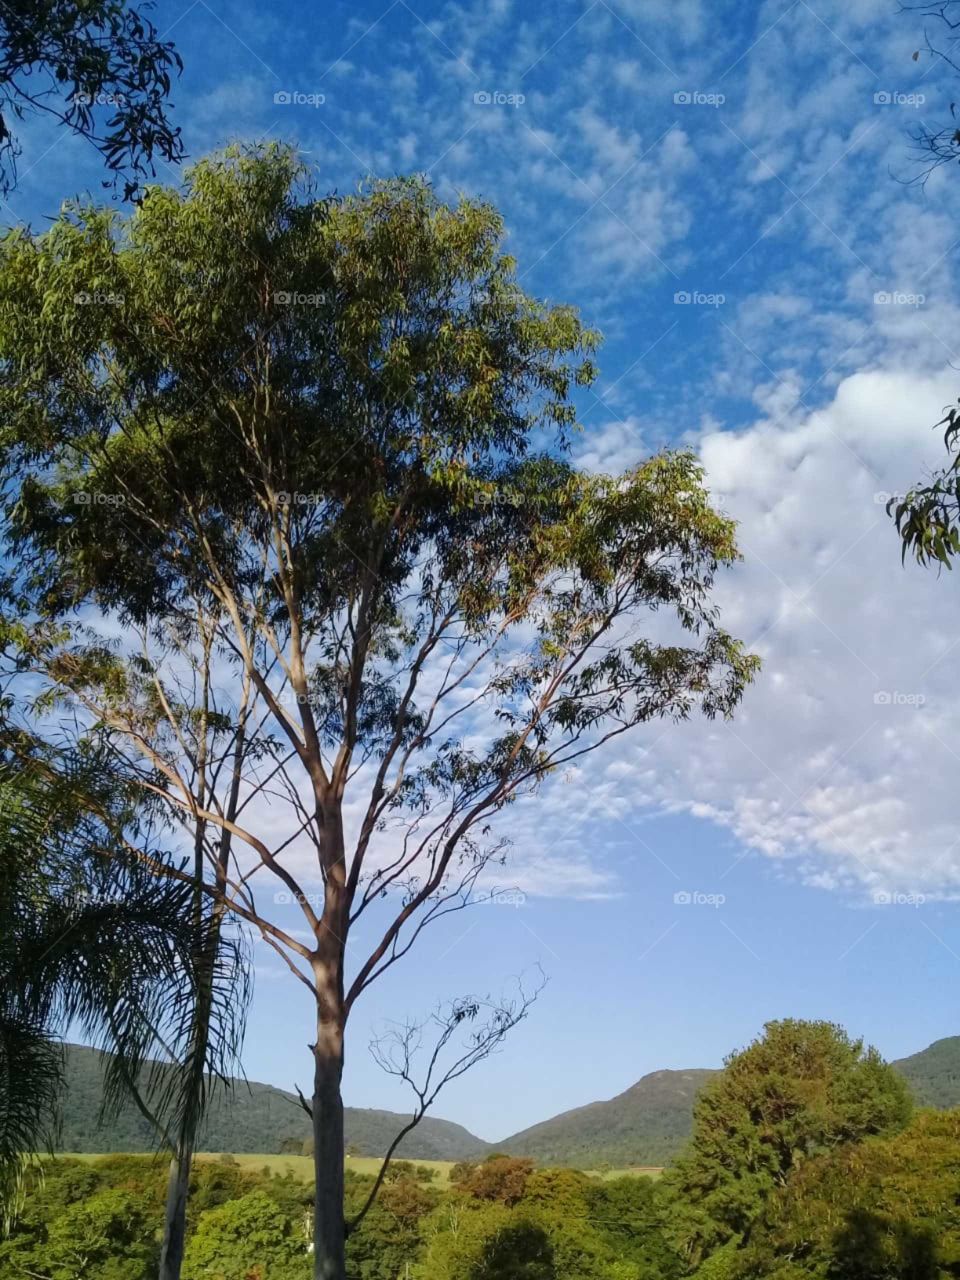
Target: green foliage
(878, 1208)
(928, 517)
(416, 356)
(389, 1236)
(84, 1224)
(627, 1215)
(102, 1238)
(882, 1209)
(802, 1088)
(249, 1237)
(105, 63)
(567, 1227)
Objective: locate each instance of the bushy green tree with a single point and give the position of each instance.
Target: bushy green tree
(800, 1089)
(247, 1239)
(473, 1240)
(882, 1209)
(628, 1216)
(106, 1236)
(390, 1237)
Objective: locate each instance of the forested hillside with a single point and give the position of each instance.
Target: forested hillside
(647, 1124)
(257, 1117)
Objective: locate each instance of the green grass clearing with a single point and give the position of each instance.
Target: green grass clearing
(302, 1166)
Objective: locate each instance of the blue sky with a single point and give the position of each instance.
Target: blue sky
(719, 188)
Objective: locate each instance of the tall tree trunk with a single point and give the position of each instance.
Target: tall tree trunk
(328, 1156)
(175, 1217)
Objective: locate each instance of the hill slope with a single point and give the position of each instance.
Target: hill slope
(934, 1073)
(257, 1117)
(646, 1124)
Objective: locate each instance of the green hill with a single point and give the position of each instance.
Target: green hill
(647, 1124)
(256, 1117)
(934, 1073)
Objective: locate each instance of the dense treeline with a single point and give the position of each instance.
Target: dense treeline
(502, 1218)
(806, 1163)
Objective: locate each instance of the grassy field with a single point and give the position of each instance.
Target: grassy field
(302, 1166)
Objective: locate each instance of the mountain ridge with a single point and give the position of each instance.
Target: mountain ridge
(646, 1124)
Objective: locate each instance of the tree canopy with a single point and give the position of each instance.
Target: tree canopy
(311, 457)
(101, 69)
(800, 1089)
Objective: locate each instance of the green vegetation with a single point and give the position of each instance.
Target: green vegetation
(934, 1074)
(99, 1219)
(175, 460)
(882, 1208)
(639, 1131)
(801, 1089)
(248, 1118)
(647, 1124)
(804, 1164)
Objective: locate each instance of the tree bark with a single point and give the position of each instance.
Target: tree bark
(329, 1261)
(175, 1219)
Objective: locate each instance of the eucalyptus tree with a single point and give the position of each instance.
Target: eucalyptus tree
(327, 442)
(99, 68)
(928, 515)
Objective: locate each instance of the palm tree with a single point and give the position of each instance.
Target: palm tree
(94, 938)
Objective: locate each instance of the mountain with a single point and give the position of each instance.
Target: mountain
(256, 1117)
(647, 1124)
(934, 1073)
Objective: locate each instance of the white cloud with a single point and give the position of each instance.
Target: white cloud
(844, 755)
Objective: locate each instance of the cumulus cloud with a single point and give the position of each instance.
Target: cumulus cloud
(843, 758)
